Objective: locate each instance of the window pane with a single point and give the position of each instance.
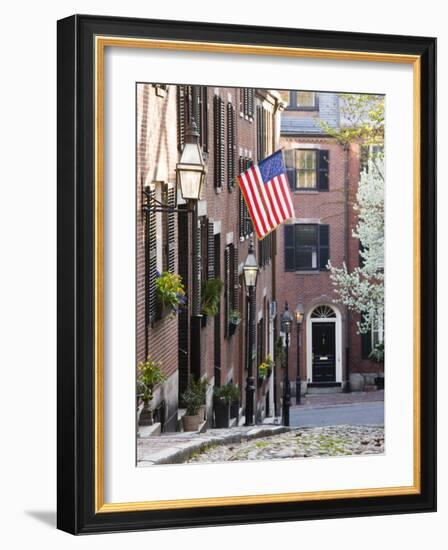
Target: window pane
(305, 168)
(306, 235)
(306, 99)
(306, 257)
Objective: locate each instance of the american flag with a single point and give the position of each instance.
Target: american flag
(266, 191)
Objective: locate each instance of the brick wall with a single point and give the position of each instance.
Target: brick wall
(169, 340)
(156, 162)
(315, 287)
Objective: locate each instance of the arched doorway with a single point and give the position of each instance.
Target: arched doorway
(324, 365)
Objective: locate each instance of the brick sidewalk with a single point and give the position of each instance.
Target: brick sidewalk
(334, 399)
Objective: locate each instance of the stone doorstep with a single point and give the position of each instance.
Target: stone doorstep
(180, 451)
(148, 431)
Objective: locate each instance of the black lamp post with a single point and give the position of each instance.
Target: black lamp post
(250, 279)
(190, 178)
(299, 318)
(286, 324)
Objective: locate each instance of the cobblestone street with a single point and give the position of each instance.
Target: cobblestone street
(301, 443)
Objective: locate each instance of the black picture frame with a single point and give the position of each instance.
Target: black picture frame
(76, 255)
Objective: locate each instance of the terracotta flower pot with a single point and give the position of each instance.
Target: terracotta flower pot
(191, 423)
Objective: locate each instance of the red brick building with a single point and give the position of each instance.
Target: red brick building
(236, 127)
(324, 177)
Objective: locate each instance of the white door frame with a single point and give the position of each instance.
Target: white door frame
(309, 340)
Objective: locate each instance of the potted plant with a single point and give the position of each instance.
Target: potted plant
(170, 293)
(149, 374)
(234, 393)
(210, 296)
(192, 401)
(221, 406)
(377, 354)
(263, 370)
(234, 320)
(200, 386)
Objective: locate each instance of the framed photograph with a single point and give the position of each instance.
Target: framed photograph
(246, 274)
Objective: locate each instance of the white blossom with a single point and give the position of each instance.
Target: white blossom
(362, 289)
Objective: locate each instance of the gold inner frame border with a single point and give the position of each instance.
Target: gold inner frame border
(101, 42)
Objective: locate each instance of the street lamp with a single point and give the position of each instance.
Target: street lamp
(299, 318)
(286, 324)
(250, 271)
(191, 168)
(190, 172)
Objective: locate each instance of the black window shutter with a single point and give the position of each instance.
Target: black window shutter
(324, 246)
(236, 282)
(222, 141)
(181, 114)
(249, 227)
(231, 146)
(366, 344)
(227, 291)
(290, 167)
(241, 220)
(322, 169)
(250, 102)
(216, 139)
(219, 138)
(151, 258)
(196, 299)
(171, 252)
(290, 263)
(196, 108)
(210, 251)
(204, 106)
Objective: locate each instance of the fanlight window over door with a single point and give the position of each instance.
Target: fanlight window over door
(323, 312)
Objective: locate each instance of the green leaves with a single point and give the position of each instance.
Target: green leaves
(149, 374)
(210, 296)
(170, 290)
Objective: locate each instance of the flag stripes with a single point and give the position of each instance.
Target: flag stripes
(268, 198)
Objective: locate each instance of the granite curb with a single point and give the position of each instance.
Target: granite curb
(178, 451)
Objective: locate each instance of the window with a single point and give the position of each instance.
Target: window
(305, 162)
(307, 169)
(265, 250)
(297, 100)
(306, 247)
(305, 99)
(323, 312)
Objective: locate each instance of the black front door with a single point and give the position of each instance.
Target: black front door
(324, 353)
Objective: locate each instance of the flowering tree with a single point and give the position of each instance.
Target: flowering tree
(362, 289)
